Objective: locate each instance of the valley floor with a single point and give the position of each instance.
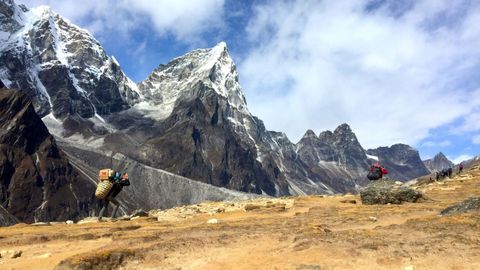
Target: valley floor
(307, 233)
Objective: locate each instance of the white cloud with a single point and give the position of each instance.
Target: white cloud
(444, 143)
(185, 20)
(460, 158)
(392, 78)
(470, 123)
(476, 139)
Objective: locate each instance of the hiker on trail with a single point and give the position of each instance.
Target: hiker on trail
(460, 168)
(449, 172)
(376, 172)
(119, 181)
(437, 176)
(443, 173)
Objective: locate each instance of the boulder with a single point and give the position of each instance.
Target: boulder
(471, 204)
(386, 191)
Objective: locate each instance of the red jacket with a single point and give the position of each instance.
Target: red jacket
(377, 165)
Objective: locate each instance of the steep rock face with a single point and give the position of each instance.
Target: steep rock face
(438, 163)
(60, 66)
(37, 182)
(402, 161)
(334, 158)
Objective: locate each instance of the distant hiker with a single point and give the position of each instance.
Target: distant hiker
(449, 172)
(443, 173)
(460, 168)
(111, 183)
(437, 175)
(376, 172)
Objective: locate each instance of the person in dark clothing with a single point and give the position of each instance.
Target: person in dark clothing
(449, 172)
(460, 168)
(119, 181)
(437, 176)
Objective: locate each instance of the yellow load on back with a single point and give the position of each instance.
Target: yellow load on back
(104, 184)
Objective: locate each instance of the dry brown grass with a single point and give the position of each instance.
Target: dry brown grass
(315, 232)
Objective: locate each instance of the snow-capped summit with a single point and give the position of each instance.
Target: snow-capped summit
(170, 83)
(61, 67)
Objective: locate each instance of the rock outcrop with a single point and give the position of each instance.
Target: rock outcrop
(469, 205)
(386, 191)
(36, 181)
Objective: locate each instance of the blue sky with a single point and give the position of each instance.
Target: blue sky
(395, 70)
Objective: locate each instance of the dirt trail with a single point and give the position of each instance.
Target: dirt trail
(306, 233)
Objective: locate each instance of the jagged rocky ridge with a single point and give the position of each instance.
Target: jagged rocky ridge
(188, 117)
(438, 163)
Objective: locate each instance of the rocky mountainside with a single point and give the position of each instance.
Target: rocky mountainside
(189, 117)
(403, 162)
(36, 181)
(438, 163)
(60, 66)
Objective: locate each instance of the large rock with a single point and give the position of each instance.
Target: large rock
(386, 191)
(471, 204)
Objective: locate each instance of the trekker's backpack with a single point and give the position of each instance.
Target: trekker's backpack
(104, 184)
(375, 174)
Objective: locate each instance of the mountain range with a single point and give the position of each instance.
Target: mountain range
(188, 119)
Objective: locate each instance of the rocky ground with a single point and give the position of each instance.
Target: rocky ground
(314, 232)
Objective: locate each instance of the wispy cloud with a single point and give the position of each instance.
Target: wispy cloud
(393, 72)
(183, 19)
(476, 139)
(444, 143)
(458, 159)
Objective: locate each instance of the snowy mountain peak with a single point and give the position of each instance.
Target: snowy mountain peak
(175, 81)
(67, 72)
(43, 11)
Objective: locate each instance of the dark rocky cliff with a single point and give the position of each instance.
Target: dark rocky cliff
(37, 181)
